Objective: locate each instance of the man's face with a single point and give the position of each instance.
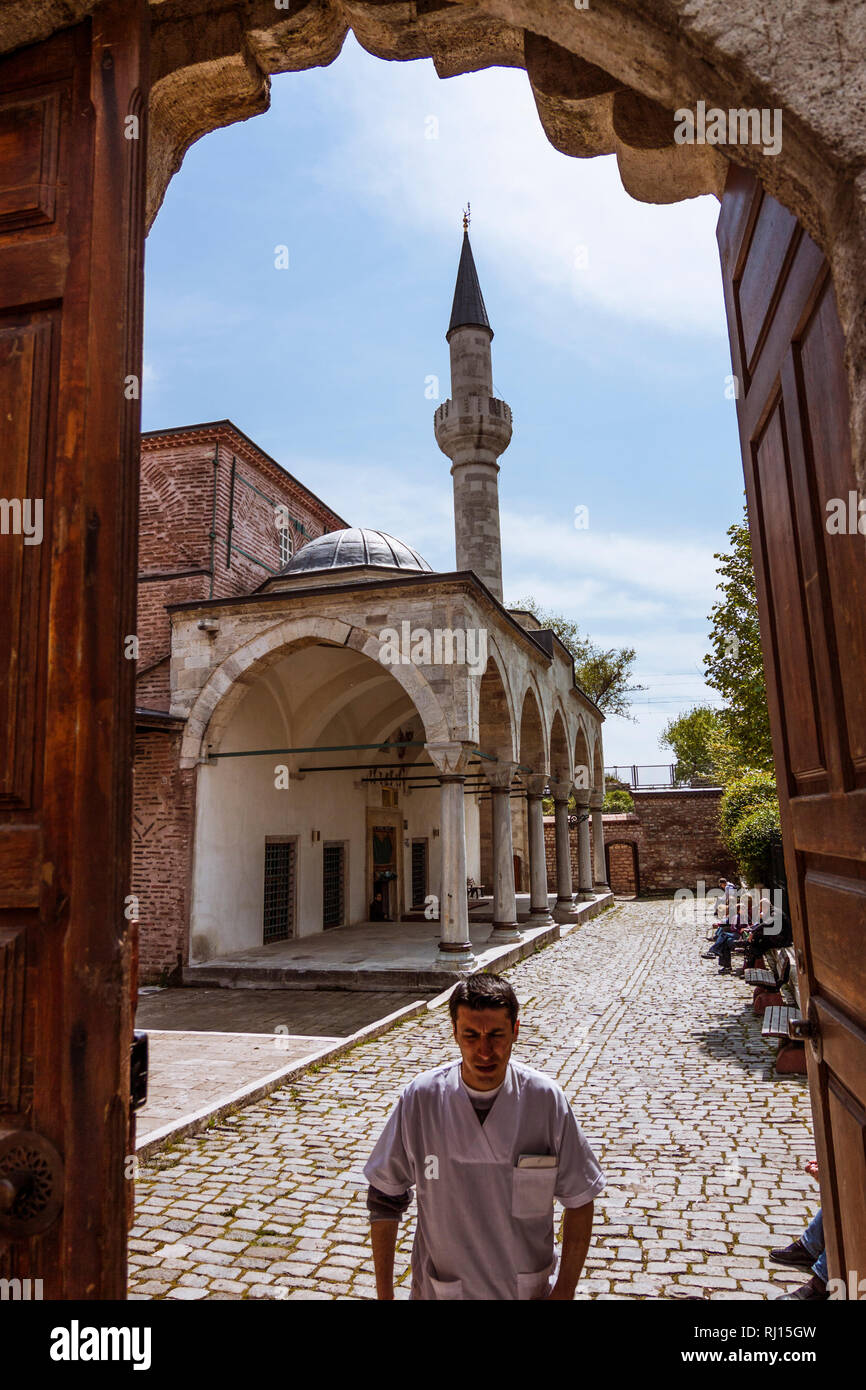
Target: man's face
(485, 1038)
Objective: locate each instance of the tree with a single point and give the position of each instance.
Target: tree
(688, 736)
(735, 666)
(605, 676)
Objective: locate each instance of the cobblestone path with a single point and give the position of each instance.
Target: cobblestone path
(702, 1145)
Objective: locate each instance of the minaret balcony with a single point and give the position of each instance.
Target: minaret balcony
(473, 423)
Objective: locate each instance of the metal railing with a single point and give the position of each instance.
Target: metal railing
(656, 776)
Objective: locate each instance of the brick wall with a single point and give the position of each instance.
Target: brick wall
(182, 498)
(677, 838)
(550, 854)
(162, 837)
(681, 840)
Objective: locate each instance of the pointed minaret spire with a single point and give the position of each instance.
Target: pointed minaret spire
(468, 308)
(473, 428)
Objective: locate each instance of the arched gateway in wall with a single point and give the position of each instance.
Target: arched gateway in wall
(76, 176)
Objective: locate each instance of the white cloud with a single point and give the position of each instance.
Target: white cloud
(532, 206)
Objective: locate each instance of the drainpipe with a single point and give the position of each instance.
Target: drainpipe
(216, 459)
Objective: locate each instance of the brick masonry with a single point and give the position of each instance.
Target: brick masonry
(162, 834)
(677, 837)
(185, 495)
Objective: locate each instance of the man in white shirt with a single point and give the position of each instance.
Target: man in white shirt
(487, 1143)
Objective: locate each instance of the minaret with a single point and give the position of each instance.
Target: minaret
(473, 428)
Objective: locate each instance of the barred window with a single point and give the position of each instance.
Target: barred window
(333, 885)
(278, 923)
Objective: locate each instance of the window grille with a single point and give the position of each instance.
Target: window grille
(285, 545)
(419, 872)
(279, 907)
(333, 893)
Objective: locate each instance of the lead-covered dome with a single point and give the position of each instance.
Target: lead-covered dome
(355, 546)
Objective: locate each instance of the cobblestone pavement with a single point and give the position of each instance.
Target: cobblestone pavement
(702, 1145)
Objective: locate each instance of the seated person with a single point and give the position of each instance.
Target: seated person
(377, 907)
(727, 937)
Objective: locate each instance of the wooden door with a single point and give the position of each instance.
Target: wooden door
(793, 407)
(72, 169)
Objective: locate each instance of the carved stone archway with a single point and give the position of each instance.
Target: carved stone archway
(606, 79)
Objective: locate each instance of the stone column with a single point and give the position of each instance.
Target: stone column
(565, 907)
(584, 857)
(505, 927)
(598, 862)
(539, 907)
(455, 949)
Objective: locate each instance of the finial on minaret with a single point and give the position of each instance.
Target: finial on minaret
(466, 217)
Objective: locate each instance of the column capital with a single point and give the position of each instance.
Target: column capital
(451, 759)
(581, 798)
(535, 782)
(596, 800)
(560, 791)
(500, 775)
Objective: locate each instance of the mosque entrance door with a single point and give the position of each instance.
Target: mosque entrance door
(383, 864)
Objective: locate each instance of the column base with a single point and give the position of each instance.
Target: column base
(586, 897)
(504, 932)
(541, 918)
(456, 956)
(565, 910)
(601, 887)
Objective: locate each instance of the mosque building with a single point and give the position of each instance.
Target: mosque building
(330, 733)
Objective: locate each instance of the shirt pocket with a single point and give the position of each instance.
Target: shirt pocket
(446, 1288)
(532, 1192)
(534, 1286)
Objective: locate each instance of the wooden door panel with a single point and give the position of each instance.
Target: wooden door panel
(788, 353)
(825, 398)
(71, 279)
(773, 240)
(785, 586)
(838, 902)
(28, 356)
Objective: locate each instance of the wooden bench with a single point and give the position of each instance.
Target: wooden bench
(776, 1019)
(791, 1057)
(761, 977)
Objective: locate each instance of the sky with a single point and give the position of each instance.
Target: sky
(298, 281)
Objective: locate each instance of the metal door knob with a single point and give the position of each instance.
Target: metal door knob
(31, 1183)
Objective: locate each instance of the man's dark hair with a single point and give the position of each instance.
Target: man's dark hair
(484, 992)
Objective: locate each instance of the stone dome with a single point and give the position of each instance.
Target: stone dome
(355, 546)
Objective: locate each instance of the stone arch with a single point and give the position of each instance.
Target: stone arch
(496, 734)
(597, 764)
(582, 758)
(560, 760)
(226, 686)
(607, 78)
(533, 742)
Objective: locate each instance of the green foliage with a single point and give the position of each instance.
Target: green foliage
(750, 791)
(688, 736)
(605, 676)
(752, 840)
(618, 802)
(735, 666)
